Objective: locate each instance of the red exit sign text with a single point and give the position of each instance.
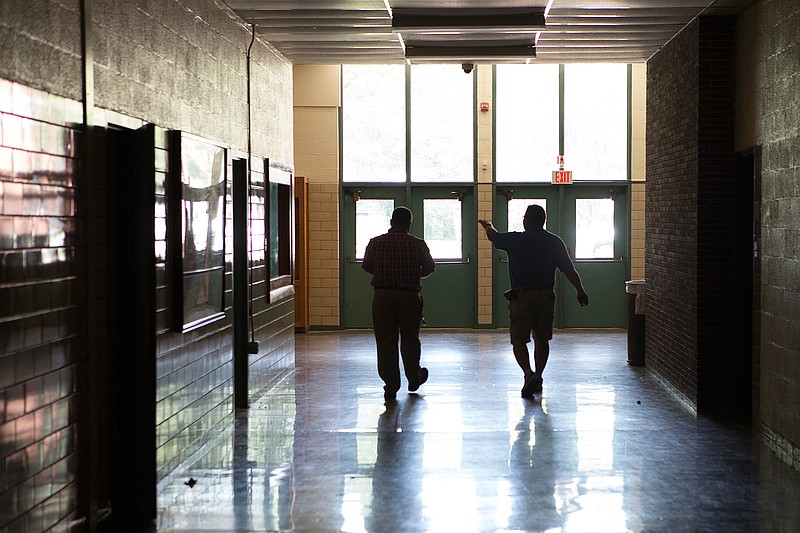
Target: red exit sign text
(562, 177)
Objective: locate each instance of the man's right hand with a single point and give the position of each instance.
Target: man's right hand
(487, 226)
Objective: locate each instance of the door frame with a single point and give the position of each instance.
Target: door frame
(131, 164)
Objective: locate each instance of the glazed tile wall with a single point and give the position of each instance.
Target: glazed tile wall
(485, 254)
(638, 168)
(324, 254)
(275, 357)
(637, 218)
(179, 67)
(317, 158)
(485, 197)
(42, 346)
(273, 313)
(187, 72)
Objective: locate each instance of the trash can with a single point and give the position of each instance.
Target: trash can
(637, 305)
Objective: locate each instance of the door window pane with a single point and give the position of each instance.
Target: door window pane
(372, 219)
(526, 122)
(596, 121)
(442, 229)
(594, 228)
(442, 114)
(373, 123)
(517, 208)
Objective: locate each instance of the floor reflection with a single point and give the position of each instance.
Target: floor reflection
(602, 449)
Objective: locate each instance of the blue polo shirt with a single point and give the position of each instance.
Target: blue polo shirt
(533, 256)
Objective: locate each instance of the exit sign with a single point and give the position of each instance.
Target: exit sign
(562, 177)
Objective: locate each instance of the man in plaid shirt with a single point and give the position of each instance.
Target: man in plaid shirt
(397, 261)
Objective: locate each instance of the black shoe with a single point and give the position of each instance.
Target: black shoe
(531, 381)
(423, 377)
(390, 396)
(537, 386)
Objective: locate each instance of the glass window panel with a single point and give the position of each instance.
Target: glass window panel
(280, 198)
(373, 123)
(442, 105)
(594, 228)
(596, 121)
(202, 295)
(517, 208)
(442, 227)
(526, 122)
(202, 218)
(372, 219)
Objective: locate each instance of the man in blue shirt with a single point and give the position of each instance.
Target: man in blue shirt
(533, 257)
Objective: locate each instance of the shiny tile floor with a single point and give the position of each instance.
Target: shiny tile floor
(602, 449)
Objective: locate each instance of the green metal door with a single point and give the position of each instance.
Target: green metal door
(444, 217)
(365, 213)
(595, 223)
(593, 217)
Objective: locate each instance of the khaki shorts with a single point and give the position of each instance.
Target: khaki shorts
(532, 311)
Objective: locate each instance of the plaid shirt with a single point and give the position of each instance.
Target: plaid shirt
(397, 260)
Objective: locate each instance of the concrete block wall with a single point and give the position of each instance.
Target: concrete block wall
(768, 120)
(40, 45)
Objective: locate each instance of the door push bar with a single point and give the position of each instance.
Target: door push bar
(504, 259)
(464, 261)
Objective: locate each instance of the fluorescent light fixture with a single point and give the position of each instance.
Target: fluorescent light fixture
(466, 20)
(468, 52)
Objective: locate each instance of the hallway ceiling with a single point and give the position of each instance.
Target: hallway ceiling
(575, 31)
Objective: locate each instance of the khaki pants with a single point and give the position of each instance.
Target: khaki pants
(532, 311)
(396, 315)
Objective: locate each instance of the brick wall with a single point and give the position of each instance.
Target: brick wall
(691, 217)
(671, 218)
(768, 119)
(717, 217)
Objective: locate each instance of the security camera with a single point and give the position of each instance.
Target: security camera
(467, 67)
